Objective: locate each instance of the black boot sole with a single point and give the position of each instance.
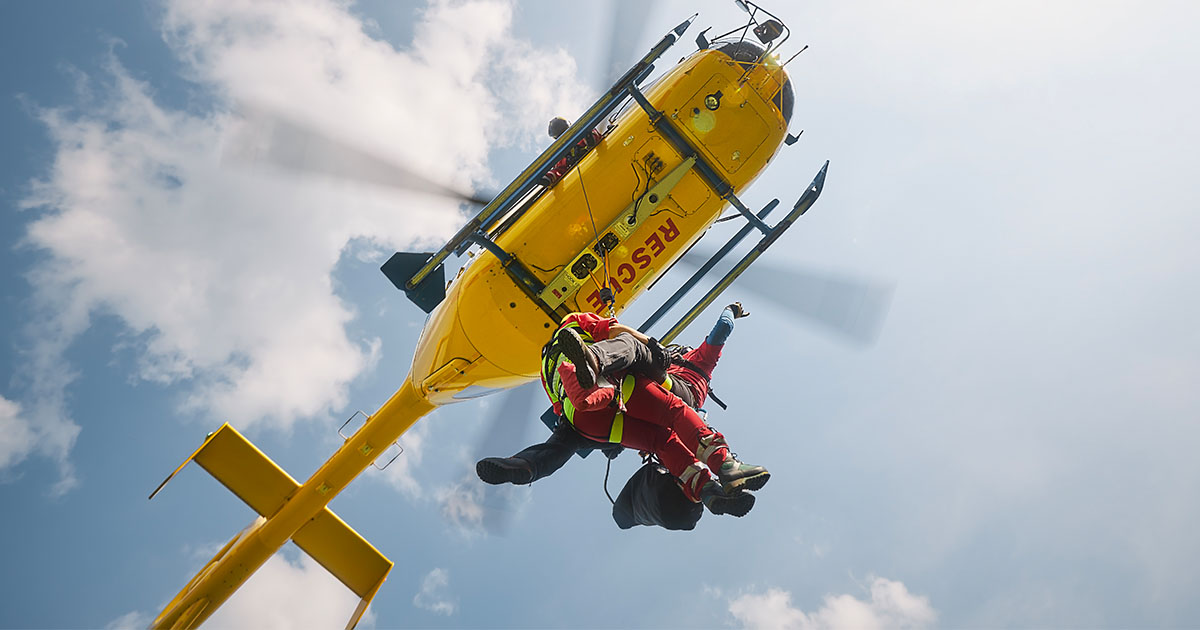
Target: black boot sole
(738, 505)
(495, 470)
(572, 346)
(753, 482)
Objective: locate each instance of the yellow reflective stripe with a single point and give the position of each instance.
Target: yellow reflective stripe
(627, 384)
(667, 382)
(618, 425)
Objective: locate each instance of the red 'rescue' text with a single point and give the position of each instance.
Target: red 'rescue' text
(626, 274)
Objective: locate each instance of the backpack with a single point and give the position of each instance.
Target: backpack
(652, 496)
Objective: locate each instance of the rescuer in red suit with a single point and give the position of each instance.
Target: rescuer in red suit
(587, 143)
(611, 404)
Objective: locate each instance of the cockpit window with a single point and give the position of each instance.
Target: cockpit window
(746, 54)
(783, 100)
(743, 52)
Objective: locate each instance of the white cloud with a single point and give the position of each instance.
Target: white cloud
(17, 439)
(281, 594)
(135, 620)
(434, 594)
(400, 473)
(288, 595)
(222, 273)
(890, 606)
(462, 505)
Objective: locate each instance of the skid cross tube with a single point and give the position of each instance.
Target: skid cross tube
(802, 205)
(705, 268)
(525, 182)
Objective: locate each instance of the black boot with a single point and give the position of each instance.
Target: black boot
(587, 367)
(498, 470)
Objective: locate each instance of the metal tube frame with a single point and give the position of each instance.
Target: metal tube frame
(705, 268)
(802, 205)
(525, 182)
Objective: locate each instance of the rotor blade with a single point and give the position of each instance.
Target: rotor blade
(852, 308)
(627, 26)
(271, 138)
(507, 431)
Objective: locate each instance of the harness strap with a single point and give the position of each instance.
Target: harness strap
(707, 379)
(618, 425)
(693, 367)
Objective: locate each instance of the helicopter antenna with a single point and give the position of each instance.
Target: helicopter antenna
(794, 56)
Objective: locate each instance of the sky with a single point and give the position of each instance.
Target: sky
(1014, 449)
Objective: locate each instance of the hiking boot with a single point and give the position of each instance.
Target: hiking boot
(720, 501)
(699, 486)
(498, 470)
(733, 474)
(577, 352)
(737, 475)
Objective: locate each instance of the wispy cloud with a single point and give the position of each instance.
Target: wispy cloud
(282, 594)
(269, 599)
(221, 272)
(17, 438)
(435, 593)
(889, 606)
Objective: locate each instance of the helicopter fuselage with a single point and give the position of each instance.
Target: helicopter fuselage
(618, 219)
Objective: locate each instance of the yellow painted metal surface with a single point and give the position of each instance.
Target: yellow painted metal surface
(246, 471)
(343, 552)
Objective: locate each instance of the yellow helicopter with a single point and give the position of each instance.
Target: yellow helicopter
(672, 158)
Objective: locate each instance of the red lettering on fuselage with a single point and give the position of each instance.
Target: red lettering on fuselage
(655, 244)
(668, 229)
(627, 274)
(640, 257)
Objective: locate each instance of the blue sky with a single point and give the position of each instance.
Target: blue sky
(1016, 449)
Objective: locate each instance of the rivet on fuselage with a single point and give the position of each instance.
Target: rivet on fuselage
(628, 140)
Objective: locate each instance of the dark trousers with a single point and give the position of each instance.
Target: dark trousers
(623, 353)
(549, 456)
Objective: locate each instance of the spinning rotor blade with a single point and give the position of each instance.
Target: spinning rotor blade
(270, 138)
(507, 431)
(853, 309)
(627, 26)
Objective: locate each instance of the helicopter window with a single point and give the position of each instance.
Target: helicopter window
(745, 53)
(784, 99)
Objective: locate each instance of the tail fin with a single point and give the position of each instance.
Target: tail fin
(265, 487)
(430, 292)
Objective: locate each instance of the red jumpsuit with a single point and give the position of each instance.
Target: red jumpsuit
(573, 155)
(705, 357)
(656, 421)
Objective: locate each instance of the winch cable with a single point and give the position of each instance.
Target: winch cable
(606, 293)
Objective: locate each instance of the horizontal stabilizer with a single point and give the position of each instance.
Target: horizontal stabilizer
(246, 471)
(345, 554)
(265, 487)
(402, 266)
